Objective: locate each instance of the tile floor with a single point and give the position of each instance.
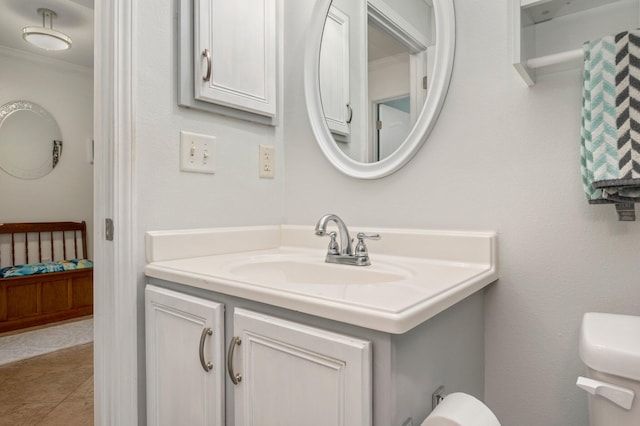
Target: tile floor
(51, 389)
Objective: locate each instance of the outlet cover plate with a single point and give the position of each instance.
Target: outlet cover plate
(266, 162)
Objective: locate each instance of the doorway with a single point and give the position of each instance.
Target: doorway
(393, 124)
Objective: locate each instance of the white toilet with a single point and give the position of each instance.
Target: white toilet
(610, 347)
(461, 409)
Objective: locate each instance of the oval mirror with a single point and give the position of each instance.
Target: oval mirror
(376, 76)
(30, 140)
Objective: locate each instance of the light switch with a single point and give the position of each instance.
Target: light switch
(197, 153)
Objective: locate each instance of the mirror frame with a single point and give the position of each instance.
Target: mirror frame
(443, 66)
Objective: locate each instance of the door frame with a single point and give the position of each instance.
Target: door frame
(116, 290)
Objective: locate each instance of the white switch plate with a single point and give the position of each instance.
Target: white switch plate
(197, 153)
(266, 161)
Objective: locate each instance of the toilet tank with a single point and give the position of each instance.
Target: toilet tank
(610, 348)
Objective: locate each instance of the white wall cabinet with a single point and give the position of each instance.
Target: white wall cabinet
(235, 45)
(287, 373)
(293, 374)
(185, 354)
(334, 72)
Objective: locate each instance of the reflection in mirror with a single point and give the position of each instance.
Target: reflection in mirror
(30, 140)
(345, 127)
(375, 61)
(396, 116)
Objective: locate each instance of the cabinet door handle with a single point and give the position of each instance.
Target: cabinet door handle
(235, 377)
(207, 55)
(207, 366)
(350, 113)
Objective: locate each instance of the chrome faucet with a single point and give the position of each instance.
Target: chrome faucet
(345, 239)
(344, 253)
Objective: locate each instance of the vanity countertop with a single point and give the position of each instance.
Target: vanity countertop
(414, 275)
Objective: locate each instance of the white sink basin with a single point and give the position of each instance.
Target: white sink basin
(303, 269)
(414, 274)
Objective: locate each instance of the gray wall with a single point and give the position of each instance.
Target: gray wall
(502, 157)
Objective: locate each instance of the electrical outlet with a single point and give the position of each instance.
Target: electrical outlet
(267, 161)
(197, 153)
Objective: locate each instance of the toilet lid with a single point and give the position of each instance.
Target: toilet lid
(461, 409)
(610, 343)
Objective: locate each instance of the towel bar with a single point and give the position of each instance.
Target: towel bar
(556, 58)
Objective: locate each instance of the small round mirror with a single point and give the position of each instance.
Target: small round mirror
(30, 140)
(376, 75)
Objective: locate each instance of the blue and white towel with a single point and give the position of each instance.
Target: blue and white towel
(610, 135)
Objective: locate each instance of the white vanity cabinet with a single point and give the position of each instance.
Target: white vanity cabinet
(293, 374)
(278, 372)
(185, 359)
(297, 369)
(235, 47)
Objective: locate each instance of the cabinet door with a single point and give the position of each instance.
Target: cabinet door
(235, 54)
(334, 72)
(293, 375)
(185, 370)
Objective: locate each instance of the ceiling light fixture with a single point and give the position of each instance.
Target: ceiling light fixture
(46, 38)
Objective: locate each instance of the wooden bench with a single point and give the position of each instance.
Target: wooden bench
(37, 299)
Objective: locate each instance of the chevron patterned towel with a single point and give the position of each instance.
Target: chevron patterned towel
(610, 134)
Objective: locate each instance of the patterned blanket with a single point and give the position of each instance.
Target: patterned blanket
(45, 267)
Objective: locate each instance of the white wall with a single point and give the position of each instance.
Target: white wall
(414, 11)
(168, 198)
(389, 78)
(502, 157)
(66, 91)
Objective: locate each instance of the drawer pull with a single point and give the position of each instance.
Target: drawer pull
(235, 377)
(206, 54)
(207, 366)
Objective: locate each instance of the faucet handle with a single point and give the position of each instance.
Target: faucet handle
(361, 248)
(362, 235)
(333, 244)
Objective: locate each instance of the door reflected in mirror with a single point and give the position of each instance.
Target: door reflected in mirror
(374, 68)
(396, 116)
